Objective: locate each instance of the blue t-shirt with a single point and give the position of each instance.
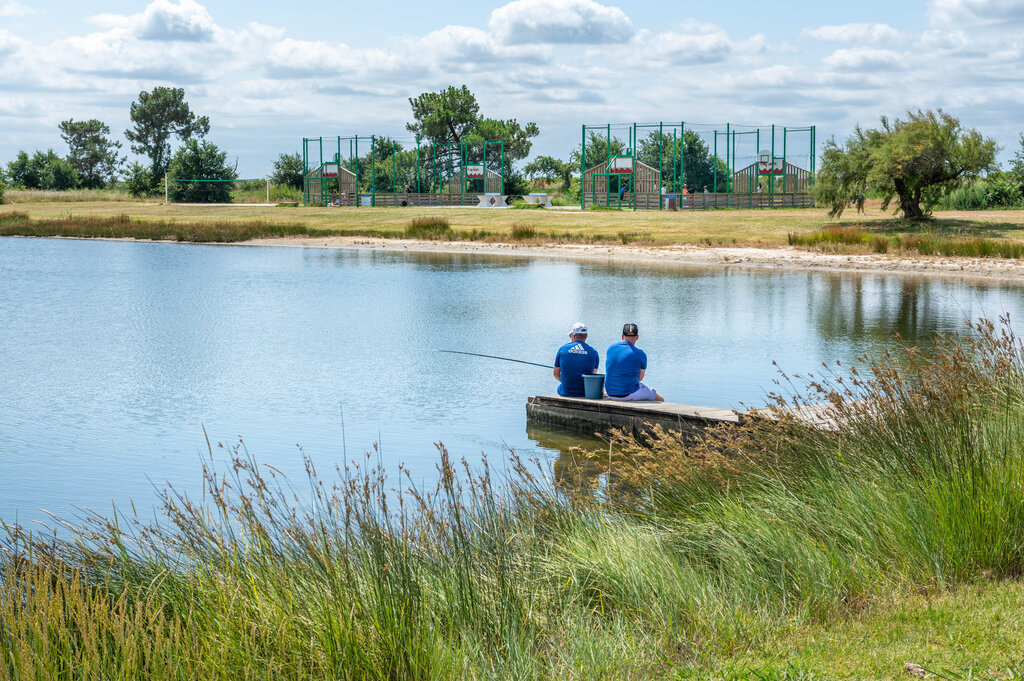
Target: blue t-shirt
(575, 359)
(623, 363)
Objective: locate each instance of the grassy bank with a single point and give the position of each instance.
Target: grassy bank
(764, 228)
(125, 227)
(921, 241)
(773, 552)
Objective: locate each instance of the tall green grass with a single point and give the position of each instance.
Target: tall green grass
(691, 548)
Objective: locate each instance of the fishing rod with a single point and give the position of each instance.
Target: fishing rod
(507, 359)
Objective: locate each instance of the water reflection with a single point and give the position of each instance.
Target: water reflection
(114, 356)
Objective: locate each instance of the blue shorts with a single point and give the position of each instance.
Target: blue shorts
(641, 394)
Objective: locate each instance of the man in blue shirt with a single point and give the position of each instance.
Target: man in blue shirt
(626, 366)
(573, 360)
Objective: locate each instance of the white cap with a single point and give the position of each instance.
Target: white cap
(578, 327)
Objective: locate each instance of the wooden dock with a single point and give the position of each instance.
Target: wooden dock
(581, 415)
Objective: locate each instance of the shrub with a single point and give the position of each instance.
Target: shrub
(430, 228)
(139, 181)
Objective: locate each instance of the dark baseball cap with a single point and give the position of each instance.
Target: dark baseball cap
(630, 330)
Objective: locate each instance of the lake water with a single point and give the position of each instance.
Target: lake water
(114, 355)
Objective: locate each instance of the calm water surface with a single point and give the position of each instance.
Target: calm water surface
(114, 356)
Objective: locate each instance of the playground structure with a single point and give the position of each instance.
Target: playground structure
(386, 174)
(657, 165)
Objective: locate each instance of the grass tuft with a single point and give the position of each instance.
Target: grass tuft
(522, 232)
(429, 228)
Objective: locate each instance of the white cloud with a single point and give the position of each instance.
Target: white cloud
(15, 9)
(858, 34)
(9, 43)
(864, 59)
(560, 21)
(187, 20)
(982, 12)
(691, 43)
(163, 20)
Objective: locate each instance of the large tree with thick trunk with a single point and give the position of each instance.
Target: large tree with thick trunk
(912, 161)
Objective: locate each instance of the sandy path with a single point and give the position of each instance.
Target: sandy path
(779, 259)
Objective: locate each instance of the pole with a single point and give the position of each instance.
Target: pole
(418, 190)
(355, 156)
(813, 131)
(728, 171)
(268, 189)
(757, 146)
(502, 166)
(394, 169)
(373, 170)
(714, 168)
(165, 188)
(608, 158)
(661, 169)
(583, 162)
(784, 133)
(682, 156)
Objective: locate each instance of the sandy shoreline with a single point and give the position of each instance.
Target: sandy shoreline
(776, 259)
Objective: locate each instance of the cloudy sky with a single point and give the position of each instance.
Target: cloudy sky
(268, 74)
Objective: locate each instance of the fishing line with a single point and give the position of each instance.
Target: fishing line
(506, 359)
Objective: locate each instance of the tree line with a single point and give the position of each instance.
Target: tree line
(918, 162)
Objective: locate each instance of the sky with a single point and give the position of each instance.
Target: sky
(269, 74)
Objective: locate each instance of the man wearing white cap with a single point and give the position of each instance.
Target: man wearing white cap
(573, 360)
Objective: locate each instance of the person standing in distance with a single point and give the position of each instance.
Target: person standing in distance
(574, 359)
(626, 366)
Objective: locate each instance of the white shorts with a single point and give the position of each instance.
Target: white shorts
(641, 394)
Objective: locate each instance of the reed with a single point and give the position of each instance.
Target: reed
(689, 551)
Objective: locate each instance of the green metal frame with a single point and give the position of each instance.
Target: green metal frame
(456, 154)
(675, 157)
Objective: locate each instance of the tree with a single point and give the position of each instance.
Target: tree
(201, 160)
(158, 115)
(913, 161)
(288, 170)
(550, 168)
(453, 115)
(598, 150)
(444, 116)
(1017, 167)
(91, 153)
(43, 170)
(516, 147)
